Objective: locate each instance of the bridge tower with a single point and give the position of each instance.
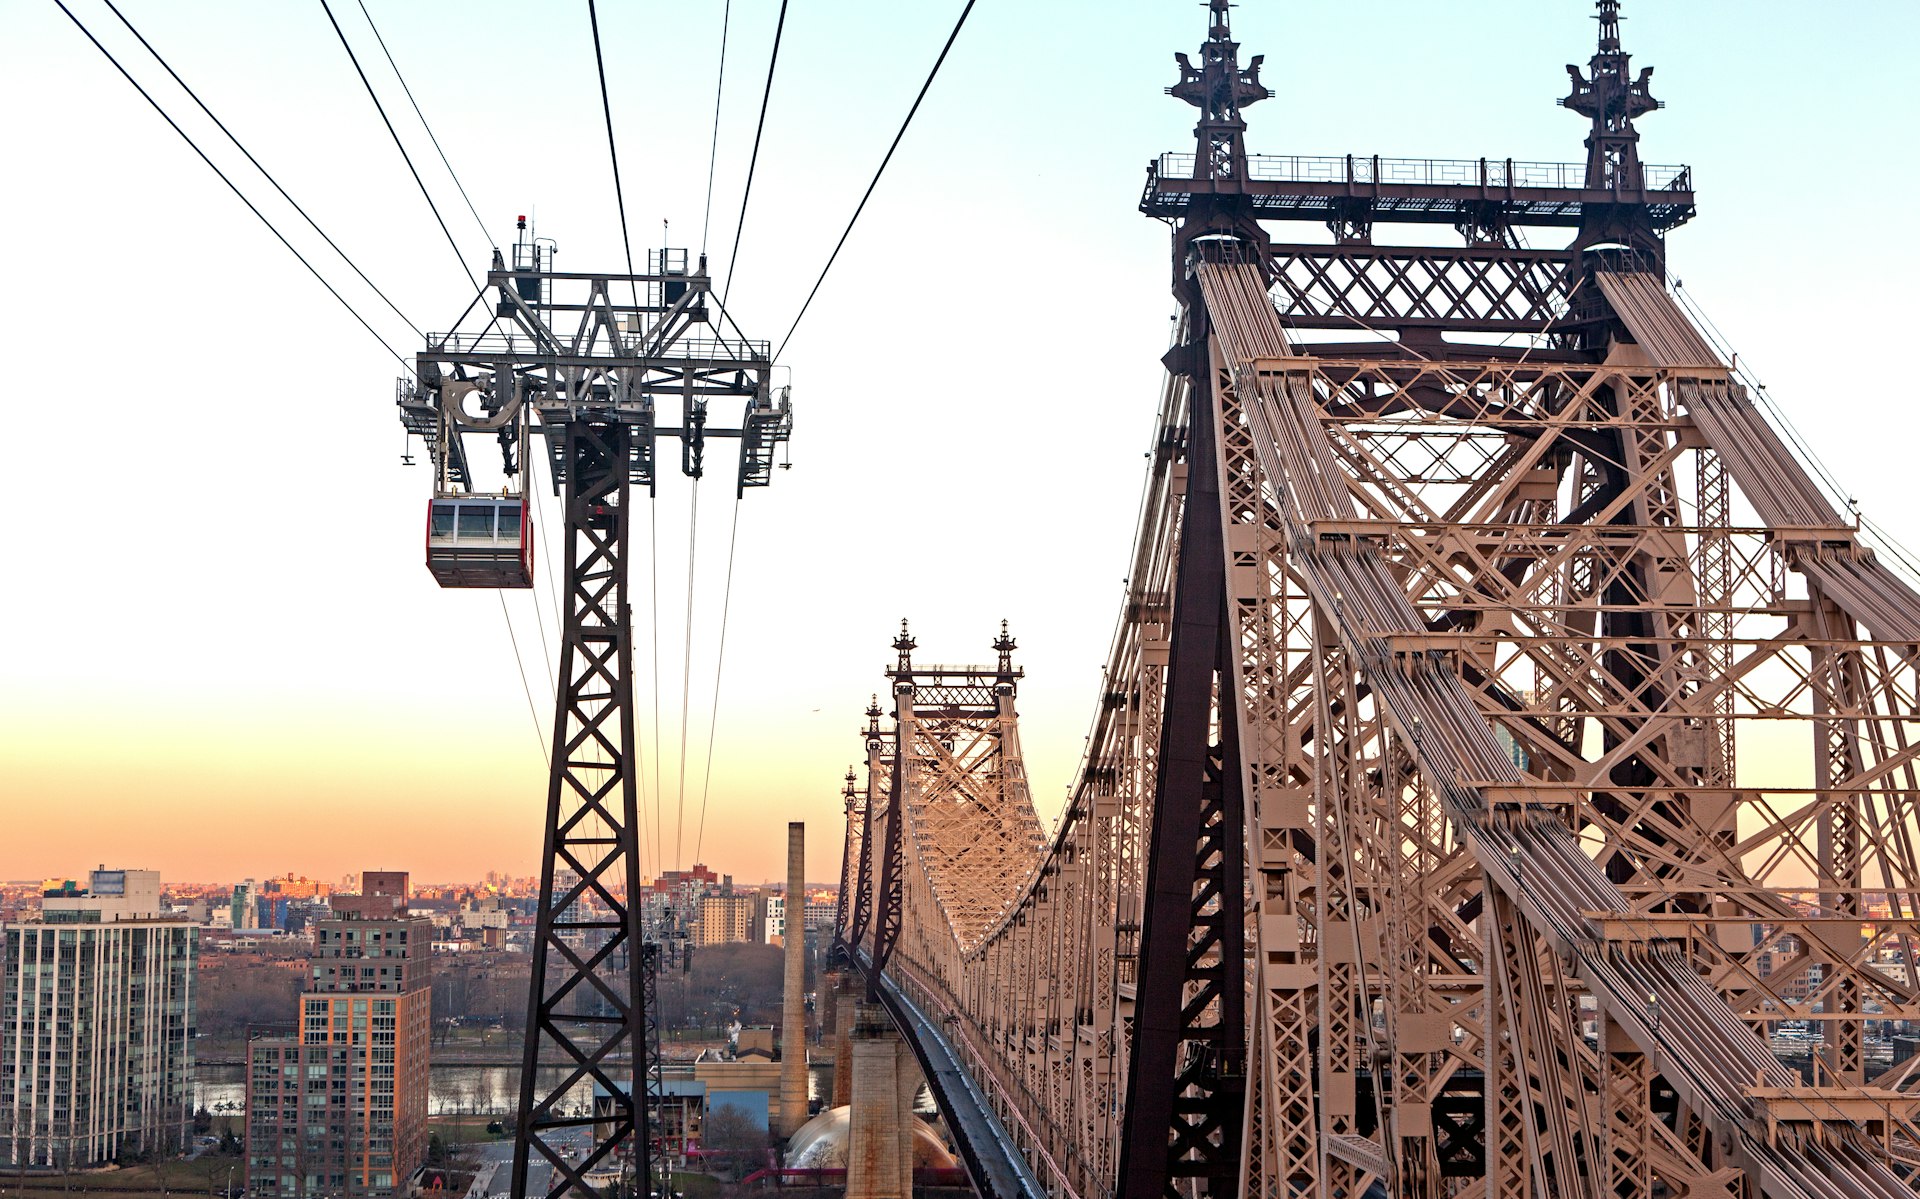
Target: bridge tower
(1419, 734)
(1186, 1072)
(587, 363)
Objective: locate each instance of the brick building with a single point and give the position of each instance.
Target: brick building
(341, 1109)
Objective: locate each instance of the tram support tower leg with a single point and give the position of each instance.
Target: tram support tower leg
(586, 1007)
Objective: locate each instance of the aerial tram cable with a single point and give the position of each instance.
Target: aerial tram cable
(653, 556)
(539, 619)
(512, 638)
(653, 529)
(451, 173)
(231, 186)
(398, 145)
(553, 583)
(713, 148)
(876, 177)
(719, 661)
(613, 151)
(533, 709)
(686, 677)
(221, 126)
(505, 613)
(779, 28)
(539, 531)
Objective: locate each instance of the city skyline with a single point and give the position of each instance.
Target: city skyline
(228, 692)
(347, 882)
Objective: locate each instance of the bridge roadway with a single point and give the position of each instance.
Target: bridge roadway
(998, 1169)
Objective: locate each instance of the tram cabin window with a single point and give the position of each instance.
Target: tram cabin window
(479, 541)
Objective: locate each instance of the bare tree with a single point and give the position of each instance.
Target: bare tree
(727, 1133)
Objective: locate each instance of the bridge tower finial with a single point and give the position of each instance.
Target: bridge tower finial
(1219, 89)
(846, 789)
(903, 645)
(1611, 97)
(1004, 645)
(873, 719)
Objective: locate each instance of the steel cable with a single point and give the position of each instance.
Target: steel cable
(719, 662)
(267, 175)
(398, 145)
(876, 176)
(626, 246)
(451, 173)
(533, 709)
(753, 161)
(540, 626)
(713, 147)
(686, 677)
(234, 188)
(613, 152)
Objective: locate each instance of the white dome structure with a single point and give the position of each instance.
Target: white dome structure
(821, 1143)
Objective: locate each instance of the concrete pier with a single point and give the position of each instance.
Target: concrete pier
(880, 1136)
(846, 997)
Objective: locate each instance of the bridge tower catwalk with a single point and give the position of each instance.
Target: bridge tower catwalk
(588, 364)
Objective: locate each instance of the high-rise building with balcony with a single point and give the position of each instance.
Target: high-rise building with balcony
(341, 1109)
(96, 1025)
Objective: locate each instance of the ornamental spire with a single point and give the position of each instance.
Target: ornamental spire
(1611, 97)
(1219, 89)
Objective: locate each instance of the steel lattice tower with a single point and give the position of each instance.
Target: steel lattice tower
(587, 361)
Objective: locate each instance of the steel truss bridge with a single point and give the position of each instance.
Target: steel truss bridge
(1414, 852)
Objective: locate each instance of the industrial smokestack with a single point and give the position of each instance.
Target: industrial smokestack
(793, 1013)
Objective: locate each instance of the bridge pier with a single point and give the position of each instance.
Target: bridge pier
(885, 1079)
(839, 1021)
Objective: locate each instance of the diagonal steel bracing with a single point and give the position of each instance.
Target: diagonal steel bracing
(1556, 732)
(585, 1013)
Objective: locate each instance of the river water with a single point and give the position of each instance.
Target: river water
(452, 1090)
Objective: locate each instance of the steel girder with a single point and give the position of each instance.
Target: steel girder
(1390, 987)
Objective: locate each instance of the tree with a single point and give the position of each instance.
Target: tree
(727, 1133)
(233, 991)
(741, 980)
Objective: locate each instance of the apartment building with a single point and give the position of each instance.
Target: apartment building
(341, 1109)
(96, 1025)
(724, 918)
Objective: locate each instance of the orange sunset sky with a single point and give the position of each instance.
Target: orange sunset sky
(220, 653)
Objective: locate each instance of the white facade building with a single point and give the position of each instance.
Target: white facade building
(96, 1026)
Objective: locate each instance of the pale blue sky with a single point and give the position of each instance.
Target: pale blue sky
(217, 604)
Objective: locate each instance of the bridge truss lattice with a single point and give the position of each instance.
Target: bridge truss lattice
(1507, 752)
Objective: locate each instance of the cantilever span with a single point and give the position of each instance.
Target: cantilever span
(1412, 853)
